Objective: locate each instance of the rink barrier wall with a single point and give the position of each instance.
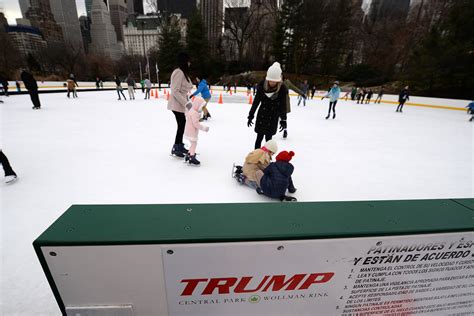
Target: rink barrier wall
(53, 87)
(107, 225)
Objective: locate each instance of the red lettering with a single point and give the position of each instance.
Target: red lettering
(278, 282)
(222, 288)
(191, 286)
(240, 288)
(316, 278)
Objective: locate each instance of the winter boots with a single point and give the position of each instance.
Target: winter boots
(238, 174)
(191, 160)
(285, 133)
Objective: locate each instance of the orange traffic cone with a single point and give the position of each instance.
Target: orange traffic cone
(152, 93)
(156, 95)
(168, 96)
(230, 92)
(220, 99)
(164, 91)
(250, 99)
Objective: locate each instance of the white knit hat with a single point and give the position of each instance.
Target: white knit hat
(271, 145)
(274, 72)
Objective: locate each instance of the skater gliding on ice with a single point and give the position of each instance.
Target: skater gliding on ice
(118, 87)
(30, 84)
(203, 89)
(180, 85)
(271, 103)
(71, 86)
(333, 96)
(402, 98)
(380, 95)
(276, 179)
(131, 87)
(192, 129)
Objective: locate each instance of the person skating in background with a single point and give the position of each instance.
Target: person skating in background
(142, 84)
(192, 128)
(333, 96)
(203, 89)
(10, 175)
(97, 83)
(131, 87)
(402, 98)
(147, 84)
(118, 87)
(30, 84)
(470, 110)
(353, 93)
(276, 179)
(181, 85)
(249, 88)
(313, 91)
(304, 89)
(364, 94)
(290, 86)
(359, 95)
(4, 83)
(71, 84)
(370, 93)
(380, 94)
(271, 102)
(235, 87)
(18, 86)
(254, 164)
(101, 84)
(346, 95)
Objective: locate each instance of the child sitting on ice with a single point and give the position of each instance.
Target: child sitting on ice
(255, 162)
(191, 130)
(276, 178)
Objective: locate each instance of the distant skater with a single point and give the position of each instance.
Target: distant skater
(370, 93)
(402, 98)
(131, 87)
(118, 87)
(30, 84)
(380, 94)
(333, 96)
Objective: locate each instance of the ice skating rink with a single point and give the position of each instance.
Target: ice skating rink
(97, 150)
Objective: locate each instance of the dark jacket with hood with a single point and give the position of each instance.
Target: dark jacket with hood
(277, 179)
(270, 109)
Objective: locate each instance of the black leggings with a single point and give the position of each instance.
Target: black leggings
(35, 98)
(181, 121)
(400, 106)
(258, 142)
(332, 105)
(120, 91)
(6, 165)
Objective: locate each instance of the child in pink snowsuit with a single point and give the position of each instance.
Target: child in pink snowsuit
(191, 130)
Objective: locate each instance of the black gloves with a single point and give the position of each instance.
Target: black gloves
(249, 122)
(282, 125)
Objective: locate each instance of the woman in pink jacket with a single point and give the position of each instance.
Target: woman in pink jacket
(181, 85)
(192, 128)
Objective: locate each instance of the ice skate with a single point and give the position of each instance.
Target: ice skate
(287, 198)
(334, 116)
(327, 117)
(10, 179)
(193, 161)
(177, 152)
(285, 134)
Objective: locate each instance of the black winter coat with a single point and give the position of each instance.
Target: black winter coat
(277, 179)
(29, 81)
(403, 96)
(270, 110)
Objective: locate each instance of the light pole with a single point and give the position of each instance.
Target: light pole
(144, 51)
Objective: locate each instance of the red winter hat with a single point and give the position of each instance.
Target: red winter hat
(285, 156)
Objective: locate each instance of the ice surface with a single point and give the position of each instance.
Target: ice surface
(96, 149)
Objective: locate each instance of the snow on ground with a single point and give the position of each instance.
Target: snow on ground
(96, 149)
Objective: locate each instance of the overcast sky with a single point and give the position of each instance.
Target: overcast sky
(11, 8)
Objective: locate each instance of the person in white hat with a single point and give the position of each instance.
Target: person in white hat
(270, 101)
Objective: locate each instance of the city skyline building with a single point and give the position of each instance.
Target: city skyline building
(40, 15)
(103, 36)
(65, 14)
(118, 16)
(212, 12)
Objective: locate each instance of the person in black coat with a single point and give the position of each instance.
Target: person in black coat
(277, 179)
(30, 84)
(271, 103)
(402, 98)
